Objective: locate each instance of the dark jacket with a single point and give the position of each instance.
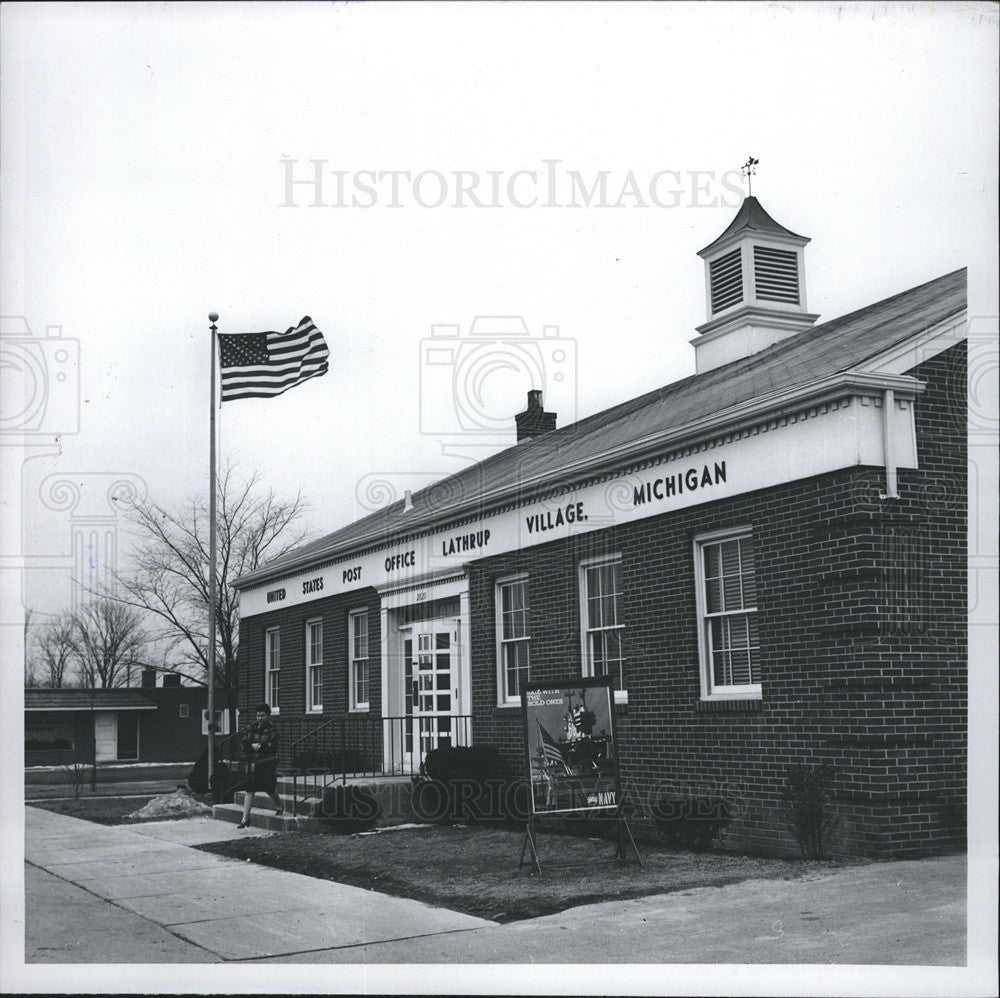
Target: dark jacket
(266, 734)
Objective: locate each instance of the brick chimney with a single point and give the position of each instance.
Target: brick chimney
(534, 421)
(148, 678)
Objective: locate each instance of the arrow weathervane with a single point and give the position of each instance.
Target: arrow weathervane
(748, 169)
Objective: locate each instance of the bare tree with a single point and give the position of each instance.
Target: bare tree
(53, 653)
(105, 637)
(170, 573)
(30, 679)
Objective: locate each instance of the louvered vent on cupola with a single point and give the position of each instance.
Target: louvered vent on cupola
(726, 280)
(755, 290)
(776, 274)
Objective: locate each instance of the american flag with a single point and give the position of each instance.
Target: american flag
(259, 365)
(550, 750)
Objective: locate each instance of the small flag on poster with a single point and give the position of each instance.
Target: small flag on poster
(550, 749)
(259, 365)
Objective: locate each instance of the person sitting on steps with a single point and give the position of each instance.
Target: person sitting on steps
(260, 742)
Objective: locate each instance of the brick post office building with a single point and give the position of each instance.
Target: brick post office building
(768, 557)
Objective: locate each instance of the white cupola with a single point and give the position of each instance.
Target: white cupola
(754, 287)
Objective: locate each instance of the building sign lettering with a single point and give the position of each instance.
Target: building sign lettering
(406, 559)
(461, 543)
(841, 437)
(313, 585)
(548, 520)
(673, 485)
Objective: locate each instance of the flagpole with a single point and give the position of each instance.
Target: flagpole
(213, 317)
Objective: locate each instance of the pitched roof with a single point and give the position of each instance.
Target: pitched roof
(752, 216)
(126, 699)
(840, 345)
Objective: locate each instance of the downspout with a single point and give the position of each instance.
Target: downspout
(889, 445)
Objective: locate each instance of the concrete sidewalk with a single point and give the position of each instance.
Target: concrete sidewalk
(190, 906)
(230, 910)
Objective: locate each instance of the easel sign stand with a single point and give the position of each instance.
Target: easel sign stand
(626, 853)
(572, 764)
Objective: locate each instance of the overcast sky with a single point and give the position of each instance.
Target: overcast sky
(146, 155)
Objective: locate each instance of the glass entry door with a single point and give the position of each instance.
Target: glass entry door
(430, 686)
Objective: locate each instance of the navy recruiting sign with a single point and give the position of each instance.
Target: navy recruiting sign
(569, 744)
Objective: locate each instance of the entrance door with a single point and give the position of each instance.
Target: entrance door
(128, 735)
(430, 686)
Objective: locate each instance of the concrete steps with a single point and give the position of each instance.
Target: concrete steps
(233, 813)
(392, 793)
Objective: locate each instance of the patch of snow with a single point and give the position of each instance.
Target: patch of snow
(179, 803)
(394, 828)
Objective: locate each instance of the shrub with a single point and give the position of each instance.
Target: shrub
(76, 773)
(467, 783)
(349, 809)
(224, 781)
(461, 762)
(807, 806)
(693, 821)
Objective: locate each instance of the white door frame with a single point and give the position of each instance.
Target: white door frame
(394, 601)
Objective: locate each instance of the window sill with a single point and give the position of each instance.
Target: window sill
(315, 710)
(731, 705)
(359, 710)
(508, 704)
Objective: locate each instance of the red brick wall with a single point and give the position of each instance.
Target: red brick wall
(863, 643)
(333, 610)
(862, 616)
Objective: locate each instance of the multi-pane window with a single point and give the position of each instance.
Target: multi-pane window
(359, 659)
(221, 722)
(514, 637)
(728, 608)
(600, 595)
(272, 667)
(314, 665)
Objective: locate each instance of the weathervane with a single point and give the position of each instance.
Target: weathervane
(748, 169)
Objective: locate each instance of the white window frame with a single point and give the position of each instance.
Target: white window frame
(312, 707)
(272, 672)
(621, 696)
(221, 721)
(709, 691)
(353, 661)
(503, 698)
(184, 710)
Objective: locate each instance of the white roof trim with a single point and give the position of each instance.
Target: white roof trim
(920, 347)
(618, 457)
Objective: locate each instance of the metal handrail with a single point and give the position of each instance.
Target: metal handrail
(362, 749)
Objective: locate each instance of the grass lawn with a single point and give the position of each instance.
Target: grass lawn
(474, 868)
(173, 771)
(103, 810)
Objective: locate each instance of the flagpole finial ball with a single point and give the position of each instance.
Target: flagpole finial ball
(213, 316)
